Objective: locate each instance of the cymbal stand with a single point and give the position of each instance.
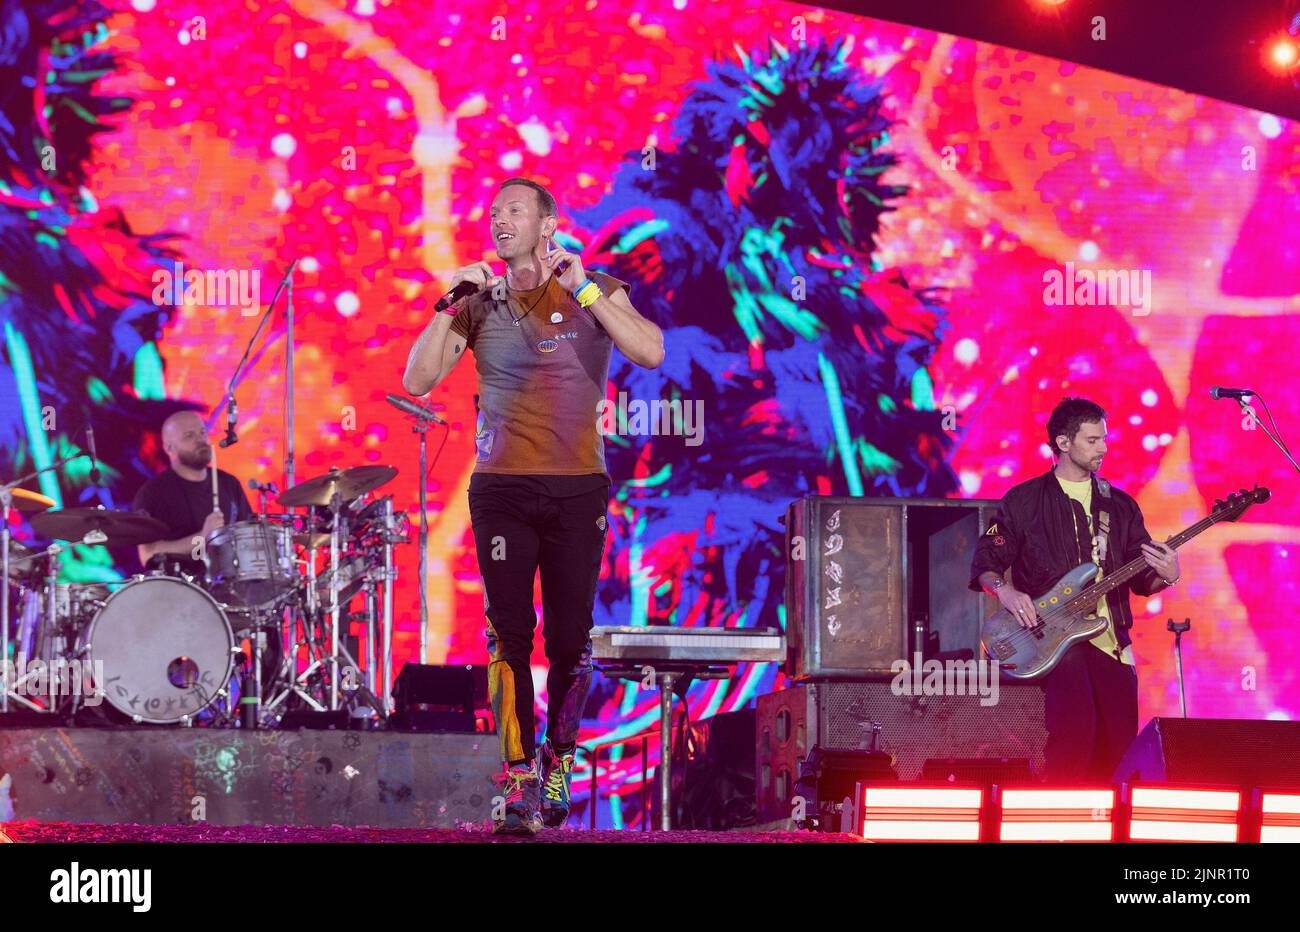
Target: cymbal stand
(6, 502)
(301, 619)
(372, 613)
(390, 576)
(336, 507)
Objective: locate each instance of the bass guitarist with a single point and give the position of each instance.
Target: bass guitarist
(1045, 527)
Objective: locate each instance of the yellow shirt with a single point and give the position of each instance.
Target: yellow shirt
(1081, 492)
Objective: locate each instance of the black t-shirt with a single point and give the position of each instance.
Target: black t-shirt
(554, 486)
(183, 504)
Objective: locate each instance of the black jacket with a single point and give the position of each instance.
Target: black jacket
(1033, 535)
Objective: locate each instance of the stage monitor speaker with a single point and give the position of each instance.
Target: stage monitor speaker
(328, 720)
(862, 572)
(1228, 751)
(430, 686)
(911, 729)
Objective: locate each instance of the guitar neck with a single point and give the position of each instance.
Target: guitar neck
(1120, 577)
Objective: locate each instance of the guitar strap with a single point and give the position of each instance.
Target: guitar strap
(1101, 539)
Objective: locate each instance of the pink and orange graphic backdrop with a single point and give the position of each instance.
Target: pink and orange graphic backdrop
(366, 140)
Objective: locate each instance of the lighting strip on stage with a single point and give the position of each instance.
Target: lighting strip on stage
(1034, 814)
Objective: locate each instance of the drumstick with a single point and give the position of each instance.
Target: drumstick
(216, 506)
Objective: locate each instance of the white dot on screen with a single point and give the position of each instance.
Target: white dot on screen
(364, 8)
(183, 37)
(284, 145)
(142, 6)
(1088, 251)
(309, 264)
(281, 200)
(1165, 440)
(1270, 126)
(1149, 442)
(536, 137)
(347, 303)
(1135, 420)
(1149, 397)
(300, 50)
(966, 351)
(511, 161)
(970, 482)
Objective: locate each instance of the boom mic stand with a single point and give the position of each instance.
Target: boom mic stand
(423, 419)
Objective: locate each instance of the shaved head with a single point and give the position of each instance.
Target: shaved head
(185, 440)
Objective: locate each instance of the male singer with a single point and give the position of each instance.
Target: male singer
(541, 337)
(1044, 528)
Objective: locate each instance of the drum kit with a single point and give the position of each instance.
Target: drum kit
(170, 642)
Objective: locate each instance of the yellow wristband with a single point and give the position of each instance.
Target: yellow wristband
(588, 294)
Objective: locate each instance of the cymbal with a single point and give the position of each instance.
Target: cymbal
(347, 483)
(31, 502)
(311, 540)
(120, 527)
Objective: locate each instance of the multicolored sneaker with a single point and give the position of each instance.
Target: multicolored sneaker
(523, 793)
(556, 774)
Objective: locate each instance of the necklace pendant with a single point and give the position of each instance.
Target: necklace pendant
(557, 318)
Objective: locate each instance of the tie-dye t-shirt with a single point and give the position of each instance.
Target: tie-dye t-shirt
(543, 361)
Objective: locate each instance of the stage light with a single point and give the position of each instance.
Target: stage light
(1280, 816)
(1285, 53)
(1282, 54)
(920, 813)
(1034, 814)
(1165, 813)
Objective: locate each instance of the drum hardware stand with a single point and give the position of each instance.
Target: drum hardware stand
(303, 620)
(6, 502)
(336, 508)
(296, 683)
(372, 599)
(1177, 628)
(390, 576)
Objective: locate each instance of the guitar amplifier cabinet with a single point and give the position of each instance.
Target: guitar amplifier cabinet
(912, 729)
(860, 572)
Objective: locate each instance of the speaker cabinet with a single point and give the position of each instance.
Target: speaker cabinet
(862, 572)
(911, 729)
(1233, 752)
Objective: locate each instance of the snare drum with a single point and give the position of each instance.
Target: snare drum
(166, 648)
(251, 563)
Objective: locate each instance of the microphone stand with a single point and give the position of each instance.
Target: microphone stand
(228, 401)
(423, 419)
(422, 428)
(1277, 442)
(1177, 628)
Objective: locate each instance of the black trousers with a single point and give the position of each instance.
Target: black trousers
(1091, 710)
(518, 533)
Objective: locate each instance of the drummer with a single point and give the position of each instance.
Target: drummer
(181, 497)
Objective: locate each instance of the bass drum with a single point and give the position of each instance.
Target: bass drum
(166, 649)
